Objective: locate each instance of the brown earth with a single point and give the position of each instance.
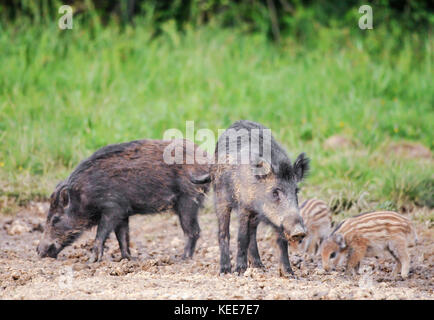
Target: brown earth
(160, 273)
(337, 142)
(408, 149)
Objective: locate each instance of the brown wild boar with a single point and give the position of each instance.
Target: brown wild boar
(116, 182)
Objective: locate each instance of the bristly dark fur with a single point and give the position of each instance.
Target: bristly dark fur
(118, 181)
(288, 172)
(285, 172)
(234, 188)
(301, 164)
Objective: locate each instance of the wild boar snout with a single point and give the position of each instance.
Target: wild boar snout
(47, 249)
(293, 228)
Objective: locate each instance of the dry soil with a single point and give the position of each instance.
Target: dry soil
(159, 272)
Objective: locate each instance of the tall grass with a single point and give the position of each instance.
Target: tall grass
(63, 94)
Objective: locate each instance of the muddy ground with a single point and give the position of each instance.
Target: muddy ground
(159, 272)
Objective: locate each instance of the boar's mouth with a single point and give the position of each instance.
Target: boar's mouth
(49, 251)
(52, 249)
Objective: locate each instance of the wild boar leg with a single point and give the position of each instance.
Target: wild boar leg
(285, 267)
(223, 211)
(187, 210)
(243, 242)
(110, 217)
(254, 258)
(123, 236)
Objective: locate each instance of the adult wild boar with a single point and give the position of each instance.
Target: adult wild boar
(116, 182)
(254, 176)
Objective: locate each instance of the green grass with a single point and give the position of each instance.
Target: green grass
(64, 94)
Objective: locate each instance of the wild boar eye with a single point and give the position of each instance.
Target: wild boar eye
(332, 255)
(55, 220)
(276, 194)
(297, 190)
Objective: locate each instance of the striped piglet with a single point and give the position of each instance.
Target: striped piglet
(317, 220)
(367, 234)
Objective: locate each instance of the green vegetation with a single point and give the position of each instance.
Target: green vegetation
(64, 94)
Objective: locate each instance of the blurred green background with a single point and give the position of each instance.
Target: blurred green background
(358, 102)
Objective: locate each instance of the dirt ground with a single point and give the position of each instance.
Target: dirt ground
(159, 272)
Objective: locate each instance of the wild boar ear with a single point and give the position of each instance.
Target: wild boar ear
(205, 178)
(339, 239)
(301, 167)
(262, 168)
(64, 197)
(53, 197)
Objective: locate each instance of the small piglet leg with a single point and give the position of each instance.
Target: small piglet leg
(398, 249)
(311, 247)
(357, 252)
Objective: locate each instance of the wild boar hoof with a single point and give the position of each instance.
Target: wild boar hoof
(225, 269)
(241, 269)
(286, 272)
(257, 264)
(186, 257)
(94, 257)
(128, 257)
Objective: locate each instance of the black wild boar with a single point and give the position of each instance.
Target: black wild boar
(259, 190)
(116, 182)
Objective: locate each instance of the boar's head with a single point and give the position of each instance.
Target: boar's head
(62, 226)
(275, 196)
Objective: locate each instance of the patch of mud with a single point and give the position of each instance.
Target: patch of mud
(409, 150)
(337, 142)
(158, 272)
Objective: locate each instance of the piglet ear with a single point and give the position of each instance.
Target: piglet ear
(339, 239)
(53, 197)
(301, 167)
